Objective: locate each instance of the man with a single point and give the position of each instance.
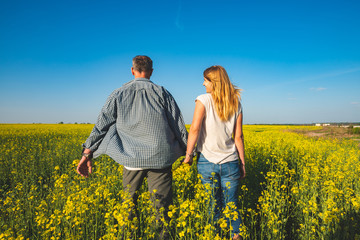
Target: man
(141, 128)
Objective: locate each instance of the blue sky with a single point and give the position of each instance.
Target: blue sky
(296, 61)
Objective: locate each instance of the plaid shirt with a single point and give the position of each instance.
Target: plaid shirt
(140, 126)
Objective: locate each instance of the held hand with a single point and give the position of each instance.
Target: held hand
(84, 167)
(242, 170)
(188, 160)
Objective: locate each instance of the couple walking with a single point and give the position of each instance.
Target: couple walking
(141, 127)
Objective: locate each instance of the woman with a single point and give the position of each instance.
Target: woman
(217, 117)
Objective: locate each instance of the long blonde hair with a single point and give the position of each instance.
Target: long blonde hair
(226, 96)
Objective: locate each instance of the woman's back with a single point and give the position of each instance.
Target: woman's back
(215, 140)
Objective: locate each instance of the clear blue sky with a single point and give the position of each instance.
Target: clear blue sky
(296, 61)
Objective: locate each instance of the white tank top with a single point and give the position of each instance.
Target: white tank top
(215, 140)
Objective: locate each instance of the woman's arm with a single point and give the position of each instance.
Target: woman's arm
(239, 143)
(194, 132)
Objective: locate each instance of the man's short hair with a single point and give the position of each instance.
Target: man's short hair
(142, 64)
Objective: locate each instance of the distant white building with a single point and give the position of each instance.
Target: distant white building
(322, 124)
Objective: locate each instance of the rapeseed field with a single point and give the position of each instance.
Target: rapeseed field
(296, 188)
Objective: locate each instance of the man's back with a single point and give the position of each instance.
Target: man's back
(145, 126)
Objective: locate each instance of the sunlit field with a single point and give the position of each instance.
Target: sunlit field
(296, 188)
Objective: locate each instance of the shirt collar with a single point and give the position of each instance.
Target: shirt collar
(137, 79)
(141, 79)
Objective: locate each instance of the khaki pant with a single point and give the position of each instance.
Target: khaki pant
(159, 179)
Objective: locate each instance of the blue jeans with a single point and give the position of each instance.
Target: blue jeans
(224, 180)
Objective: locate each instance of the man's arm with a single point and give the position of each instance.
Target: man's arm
(106, 118)
(175, 120)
